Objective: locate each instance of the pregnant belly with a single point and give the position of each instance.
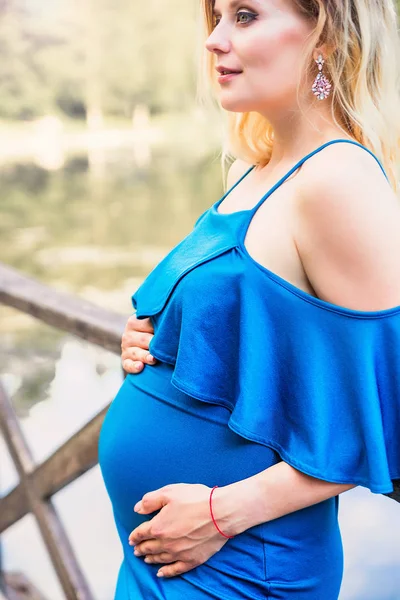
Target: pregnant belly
(154, 435)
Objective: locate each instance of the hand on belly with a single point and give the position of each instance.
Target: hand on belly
(182, 533)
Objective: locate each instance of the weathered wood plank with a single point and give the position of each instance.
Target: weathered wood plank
(54, 536)
(77, 455)
(18, 587)
(13, 507)
(72, 459)
(61, 310)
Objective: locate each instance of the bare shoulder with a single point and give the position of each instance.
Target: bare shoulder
(346, 177)
(235, 172)
(347, 229)
(349, 161)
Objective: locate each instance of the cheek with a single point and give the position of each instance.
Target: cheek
(293, 41)
(277, 49)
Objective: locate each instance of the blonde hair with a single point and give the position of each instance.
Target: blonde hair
(364, 71)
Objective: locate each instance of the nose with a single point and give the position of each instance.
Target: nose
(218, 41)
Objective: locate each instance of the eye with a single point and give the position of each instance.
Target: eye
(216, 20)
(243, 18)
(248, 17)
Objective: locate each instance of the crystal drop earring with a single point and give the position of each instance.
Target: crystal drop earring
(321, 86)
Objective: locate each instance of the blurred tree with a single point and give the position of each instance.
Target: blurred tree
(96, 56)
(22, 93)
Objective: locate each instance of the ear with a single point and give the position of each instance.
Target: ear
(324, 49)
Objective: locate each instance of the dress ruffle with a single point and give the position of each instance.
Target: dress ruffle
(316, 382)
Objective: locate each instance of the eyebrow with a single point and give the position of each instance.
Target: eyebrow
(233, 4)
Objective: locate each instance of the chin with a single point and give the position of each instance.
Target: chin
(235, 104)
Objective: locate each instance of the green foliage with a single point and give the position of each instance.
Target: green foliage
(68, 57)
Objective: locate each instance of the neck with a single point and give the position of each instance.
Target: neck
(297, 133)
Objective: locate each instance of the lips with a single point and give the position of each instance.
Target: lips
(226, 71)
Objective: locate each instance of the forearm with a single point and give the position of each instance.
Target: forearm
(268, 495)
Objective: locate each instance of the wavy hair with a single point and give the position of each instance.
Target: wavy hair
(363, 68)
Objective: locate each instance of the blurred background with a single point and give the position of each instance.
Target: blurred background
(106, 162)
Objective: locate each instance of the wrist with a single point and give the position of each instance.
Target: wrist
(238, 506)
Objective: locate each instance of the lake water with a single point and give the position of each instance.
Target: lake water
(95, 225)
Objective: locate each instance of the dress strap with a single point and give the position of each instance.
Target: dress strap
(234, 185)
(302, 160)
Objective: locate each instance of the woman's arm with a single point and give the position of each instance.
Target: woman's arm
(347, 230)
(348, 239)
(182, 532)
(268, 495)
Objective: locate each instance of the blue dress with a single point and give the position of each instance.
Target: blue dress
(252, 371)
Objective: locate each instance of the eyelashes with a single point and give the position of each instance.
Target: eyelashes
(249, 16)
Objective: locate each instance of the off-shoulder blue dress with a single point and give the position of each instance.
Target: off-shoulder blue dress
(252, 371)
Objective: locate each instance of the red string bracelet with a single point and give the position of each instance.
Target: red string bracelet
(212, 516)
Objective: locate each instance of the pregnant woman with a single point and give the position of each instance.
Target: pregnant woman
(274, 324)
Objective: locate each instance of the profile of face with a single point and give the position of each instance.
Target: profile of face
(263, 41)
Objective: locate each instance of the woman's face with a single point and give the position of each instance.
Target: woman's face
(263, 40)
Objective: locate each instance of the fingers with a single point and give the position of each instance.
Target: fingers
(136, 354)
(153, 556)
(135, 324)
(135, 344)
(150, 546)
(132, 367)
(163, 557)
(135, 338)
(176, 568)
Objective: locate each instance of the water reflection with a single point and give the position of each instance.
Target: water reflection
(97, 232)
(93, 231)
(50, 220)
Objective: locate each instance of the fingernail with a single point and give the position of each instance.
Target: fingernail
(137, 507)
(150, 358)
(160, 574)
(138, 365)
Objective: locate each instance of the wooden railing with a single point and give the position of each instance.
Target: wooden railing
(39, 482)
